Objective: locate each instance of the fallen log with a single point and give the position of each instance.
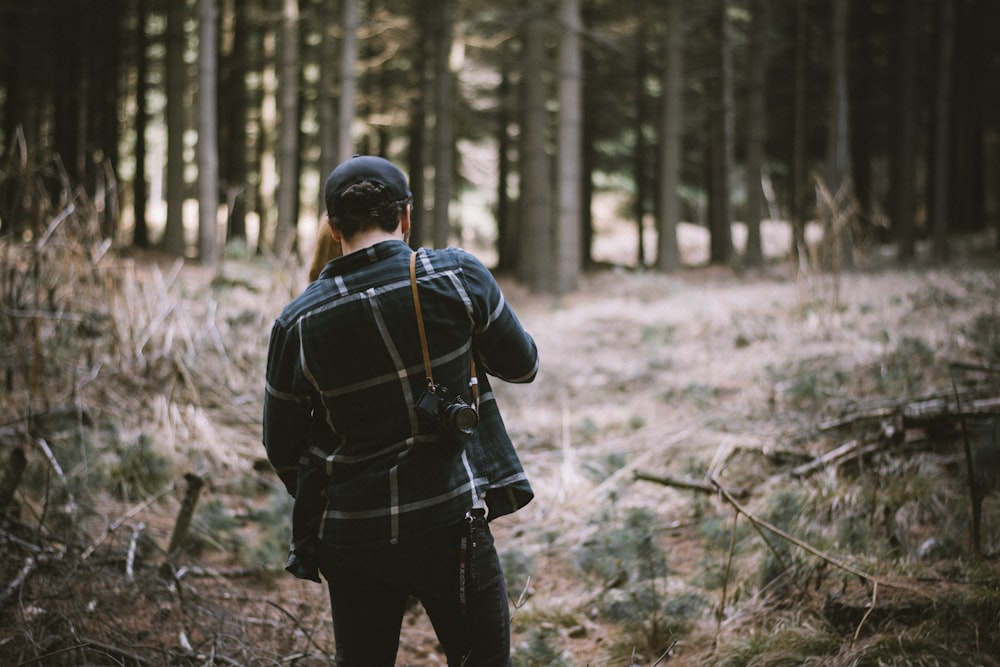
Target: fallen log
(920, 413)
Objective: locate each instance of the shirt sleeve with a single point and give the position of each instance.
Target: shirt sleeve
(286, 411)
(503, 347)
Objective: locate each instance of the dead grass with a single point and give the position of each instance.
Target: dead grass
(706, 373)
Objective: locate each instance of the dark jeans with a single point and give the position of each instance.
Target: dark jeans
(369, 588)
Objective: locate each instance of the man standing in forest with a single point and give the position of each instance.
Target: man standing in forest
(380, 421)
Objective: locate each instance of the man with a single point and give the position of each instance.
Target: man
(391, 500)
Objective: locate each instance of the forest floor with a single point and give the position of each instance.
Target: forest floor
(654, 392)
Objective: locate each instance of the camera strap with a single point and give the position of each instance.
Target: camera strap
(473, 379)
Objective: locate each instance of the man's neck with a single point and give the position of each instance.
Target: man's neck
(368, 238)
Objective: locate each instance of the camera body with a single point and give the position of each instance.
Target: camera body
(446, 413)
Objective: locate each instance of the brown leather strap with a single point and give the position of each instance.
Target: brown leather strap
(473, 378)
(420, 318)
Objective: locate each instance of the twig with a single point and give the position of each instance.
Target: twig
(725, 578)
(51, 457)
(520, 598)
(29, 565)
(975, 496)
(666, 480)
(665, 653)
(868, 613)
(66, 212)
(295, 620)
(760, 523)
(130, 559)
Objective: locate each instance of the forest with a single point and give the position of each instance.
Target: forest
(512, 119)
(756, 241)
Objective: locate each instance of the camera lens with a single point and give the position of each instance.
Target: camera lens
(460, 417)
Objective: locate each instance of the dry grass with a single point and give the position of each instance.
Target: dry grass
(124, 372)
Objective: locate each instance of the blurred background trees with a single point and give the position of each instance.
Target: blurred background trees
(513, 119)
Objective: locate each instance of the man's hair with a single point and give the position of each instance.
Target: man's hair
(364, 207)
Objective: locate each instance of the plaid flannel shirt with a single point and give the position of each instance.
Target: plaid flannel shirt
(344, 370)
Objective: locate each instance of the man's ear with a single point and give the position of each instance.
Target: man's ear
(404, 221)
(337, 235)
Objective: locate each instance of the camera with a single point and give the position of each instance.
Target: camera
(447, 414)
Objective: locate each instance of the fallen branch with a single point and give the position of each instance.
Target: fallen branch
(888, 434)
(921, 412)
(686, 484)
(760, 523)
(849, 451)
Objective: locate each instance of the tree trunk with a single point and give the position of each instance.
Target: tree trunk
(102, 153)
(325, 99)
(721, 118)
(208, 144)
(942, 125)
(800, 131)
(420, 85)
(327, 117)
(671, 127)
(535, 205)
(754, 253)
(443, 136)
(140, 235)
(288, 135)
(639, 176)
(174, 241)
(838, 146)
(903, 184)
(506, 239)
(567, 243)
(234, 161)
(70, 105)
(348, 82)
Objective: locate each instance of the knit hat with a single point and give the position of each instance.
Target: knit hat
(356, 170)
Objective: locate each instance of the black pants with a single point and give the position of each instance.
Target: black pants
(456, 575)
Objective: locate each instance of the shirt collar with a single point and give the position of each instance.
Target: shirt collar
(364, 257)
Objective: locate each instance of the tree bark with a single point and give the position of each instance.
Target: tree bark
(420, 85)
(208, 145)
(639, 163)
(754, 253)
(567, 243)
(288, 136)
(233, 147)
(902, 187)
(174, 241)
(506, 239)
(800, 131)
(671, 132)
(348, 82)
(838, 138)
(443, 135)
(535, 205)
(721, 115)
(942, 127)
(140, 234)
